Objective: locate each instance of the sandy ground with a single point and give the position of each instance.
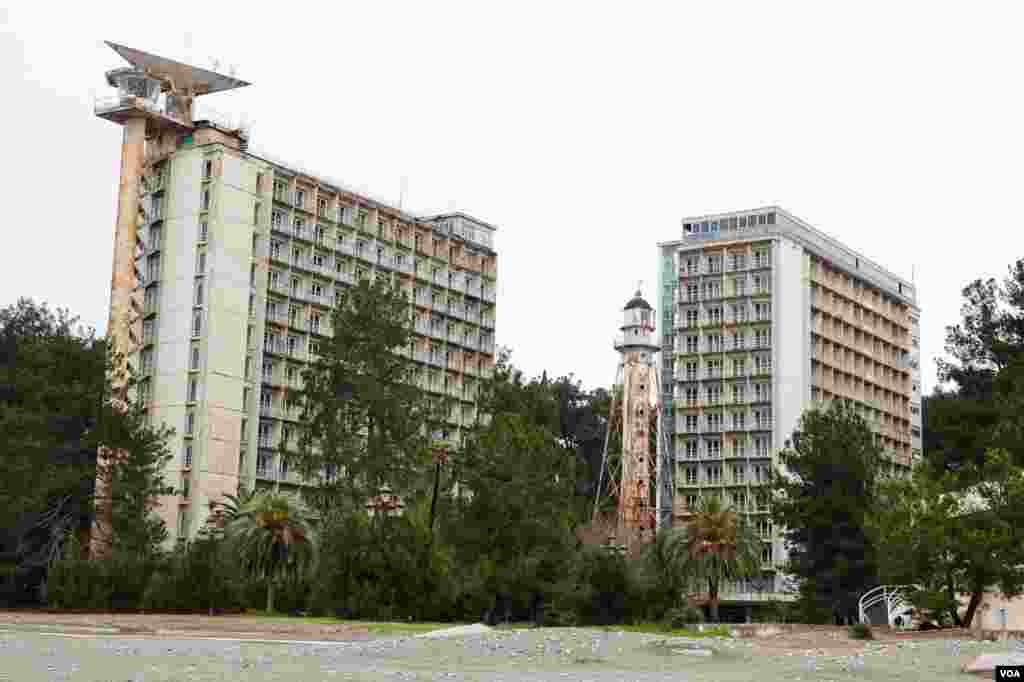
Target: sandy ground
(147, 648)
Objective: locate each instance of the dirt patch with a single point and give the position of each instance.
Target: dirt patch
(828, 640)
(194, 625)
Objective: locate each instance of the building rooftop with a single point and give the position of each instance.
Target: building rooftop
(783, 224)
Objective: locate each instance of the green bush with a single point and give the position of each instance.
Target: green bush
(682, 617)
(196, 577)
(113, 584)
(861, 631)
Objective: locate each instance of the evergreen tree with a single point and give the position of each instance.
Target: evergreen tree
(367, 423)
(822, 496)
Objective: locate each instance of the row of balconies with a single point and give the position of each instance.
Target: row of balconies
(726, 319)
(725, 454)
(683, 403)
(899, 361)
(704, 479)
(684, 297)
(860, 296)
(682, 374)
(898, 384)
(725, 426)
(727, 265)
(729, 346)
(368, 250)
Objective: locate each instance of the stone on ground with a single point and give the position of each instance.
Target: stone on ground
(458, 631)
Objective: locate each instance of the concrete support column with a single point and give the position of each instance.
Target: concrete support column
(122, 284)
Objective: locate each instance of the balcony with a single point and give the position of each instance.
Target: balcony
(436, 359)
(421, 356)
(440, 278)
(488, 295)
(422, 327)
(423, 300)
(458, 283)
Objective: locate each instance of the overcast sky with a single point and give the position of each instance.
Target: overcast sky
(584, 130)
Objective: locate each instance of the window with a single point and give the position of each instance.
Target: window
(766, 553)
(300, 198)
(691, 344)
(199, 292)
(691, 318)
(206, 200)
(713, 475)
(194, 360)
(207, 169)
(187, 456)
(739, 473)
(691, 449)
(153, 268)
(200, 262)
(193, 389)
(190, 423)
(185, 487)
(691, 371)
(714, 448)
(148, 330)
(691, 423)
(691, 475)
(764, 529)
(738, 419)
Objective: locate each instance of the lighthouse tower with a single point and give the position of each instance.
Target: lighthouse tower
(636, 511)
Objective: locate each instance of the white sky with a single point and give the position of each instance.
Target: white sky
(585, 131)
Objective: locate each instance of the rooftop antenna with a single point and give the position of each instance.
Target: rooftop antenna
(403, 187)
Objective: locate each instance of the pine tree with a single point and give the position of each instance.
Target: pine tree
(367, 425)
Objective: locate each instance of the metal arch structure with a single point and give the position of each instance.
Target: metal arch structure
(894, 597)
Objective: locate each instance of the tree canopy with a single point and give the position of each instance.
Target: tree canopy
(821, 496)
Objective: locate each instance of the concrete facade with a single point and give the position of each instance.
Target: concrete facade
(241, 261)
(763, 317)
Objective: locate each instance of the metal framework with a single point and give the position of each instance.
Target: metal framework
(894, 597)
(633, 509)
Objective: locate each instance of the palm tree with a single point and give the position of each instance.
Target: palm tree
(715, 545)
(224, 512)
(273, 535)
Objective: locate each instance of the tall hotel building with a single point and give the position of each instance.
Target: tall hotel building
(763, 317)
(227, 266)
(240, 262)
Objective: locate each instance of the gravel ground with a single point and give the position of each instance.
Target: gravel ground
(547, 654)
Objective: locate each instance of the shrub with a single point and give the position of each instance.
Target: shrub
(113, 584)
(861, 631)
(197, 576)
(679, 618)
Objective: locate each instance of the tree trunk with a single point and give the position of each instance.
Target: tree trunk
(713, 600)
(270, 596)
(952, 596)
(972, 606)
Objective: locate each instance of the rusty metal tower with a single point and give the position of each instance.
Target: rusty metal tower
(634, 409)
(152, 99)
